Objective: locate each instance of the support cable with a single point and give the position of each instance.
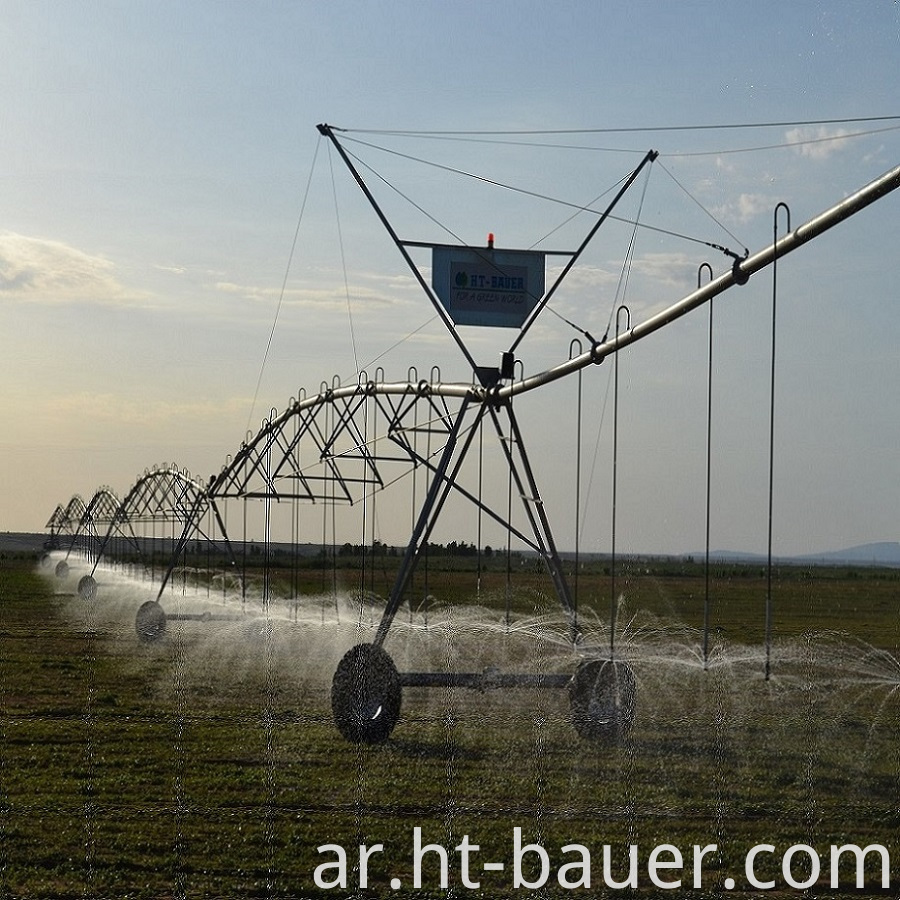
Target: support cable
(402, 340)
(739, 274)
(328, 132)
(633, 130)
(600, 424)
(579, 208)
(787, 145)
(287, 270)
(582, 331)
(588, 207)
(337, 216)
(627, 263)
(705, 210)
(620, 292)
(784, 145)
(536, 311)
(406, 197)
(462, 172)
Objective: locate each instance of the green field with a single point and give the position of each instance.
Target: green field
(208, 766)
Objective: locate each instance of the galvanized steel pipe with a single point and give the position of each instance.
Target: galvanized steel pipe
(741, 270)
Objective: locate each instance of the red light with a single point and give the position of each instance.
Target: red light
(490, 240)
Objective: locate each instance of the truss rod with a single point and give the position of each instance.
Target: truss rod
(537, 515)
(326, 131)
(531, 542)
(532, 316)
(437, 494)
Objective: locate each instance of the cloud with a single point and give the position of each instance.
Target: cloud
(45, 271)
(817, 143)
(678, 269)
(751, 205)
(725, 165)
(746, 207)
(367, 292)
(655, 280)
(147, 413)
(876, 155)
(584, 277)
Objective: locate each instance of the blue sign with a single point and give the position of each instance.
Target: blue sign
(483, 286)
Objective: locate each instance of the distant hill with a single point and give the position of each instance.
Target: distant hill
(880, 553)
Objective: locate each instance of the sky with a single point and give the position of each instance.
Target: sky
(182, 252)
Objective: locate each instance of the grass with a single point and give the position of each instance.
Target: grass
(208, 766)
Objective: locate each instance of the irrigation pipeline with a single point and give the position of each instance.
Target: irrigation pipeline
(737, 275)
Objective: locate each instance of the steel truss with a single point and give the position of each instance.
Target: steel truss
(337, 447)
(162, 499)
(345, 443)
(81, 523)
(66, 520)
(366, 689)
(98, 514)
(348, 442)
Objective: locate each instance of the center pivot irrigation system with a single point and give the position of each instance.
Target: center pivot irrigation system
(346, 443)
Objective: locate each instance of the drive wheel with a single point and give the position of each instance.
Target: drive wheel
(150, 622)
(366, 695)
(602, 697)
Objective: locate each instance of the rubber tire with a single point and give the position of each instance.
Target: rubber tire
(150, 622)
(87, 587)
(602, 698)
(366, 695)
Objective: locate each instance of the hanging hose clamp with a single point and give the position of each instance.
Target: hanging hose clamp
(740, 276)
